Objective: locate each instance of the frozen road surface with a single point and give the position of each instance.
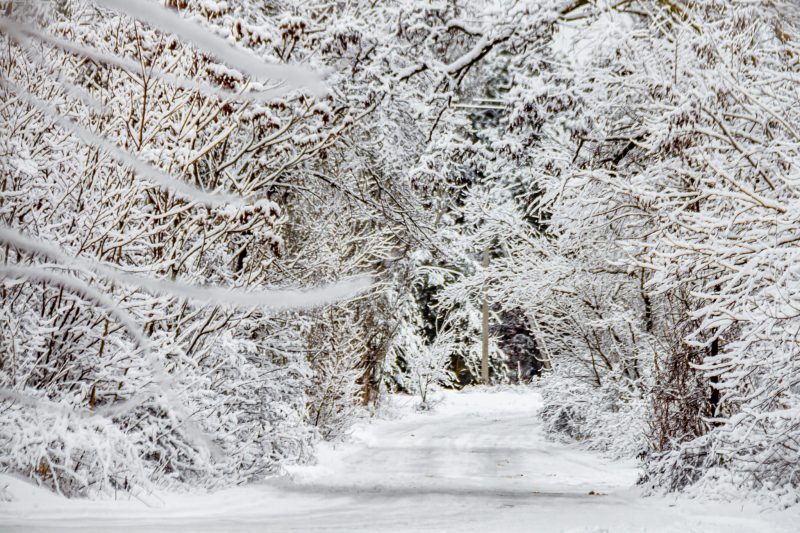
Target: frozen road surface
(479, 462)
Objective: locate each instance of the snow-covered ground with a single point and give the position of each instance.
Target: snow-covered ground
(479, 462)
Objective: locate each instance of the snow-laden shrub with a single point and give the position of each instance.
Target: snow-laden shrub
(71, 452)
(334, 391)
(749, 441)
(107, 416)
(698, 468)
(246, 408)
(610, 418)
(429, 367)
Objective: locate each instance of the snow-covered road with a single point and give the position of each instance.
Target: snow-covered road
(479, 462)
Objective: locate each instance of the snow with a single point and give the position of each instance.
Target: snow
(478, 462)
(276, 299)
(470, 57)
(297, 76)
(142, 168)
(78, 287)
(18, 31)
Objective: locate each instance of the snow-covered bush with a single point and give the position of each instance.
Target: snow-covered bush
(335, 394)
(72, 453)
(611, 418)
(429, 367)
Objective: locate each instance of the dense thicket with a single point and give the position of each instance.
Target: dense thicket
(627, 170)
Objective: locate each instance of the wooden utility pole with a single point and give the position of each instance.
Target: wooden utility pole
(547, 362)
(485, 326)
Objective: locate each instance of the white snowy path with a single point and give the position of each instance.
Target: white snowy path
(478, 463)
